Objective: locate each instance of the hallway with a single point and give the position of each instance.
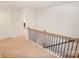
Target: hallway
(40, 29)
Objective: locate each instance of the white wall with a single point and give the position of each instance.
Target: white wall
(10, 23)
(16, 25)
(30, 17)
(4, 23)
(62, 19)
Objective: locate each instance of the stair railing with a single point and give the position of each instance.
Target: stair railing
(62, 46)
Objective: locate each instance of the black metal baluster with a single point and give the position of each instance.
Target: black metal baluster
(68, 49)
(39, 36)
(64, 50)
(48, 41)
(56, 45)
(71, 48)
(76, 48)
(35, 37)
(44, 39)
(61, 47)
(51, 41)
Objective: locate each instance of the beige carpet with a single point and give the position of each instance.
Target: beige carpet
(21, 47)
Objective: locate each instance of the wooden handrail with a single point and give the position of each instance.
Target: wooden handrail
(50, 33)
(35, 30)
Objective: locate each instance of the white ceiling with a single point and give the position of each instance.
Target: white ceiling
(36, 5)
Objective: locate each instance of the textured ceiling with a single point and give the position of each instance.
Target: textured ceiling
(36, 5)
